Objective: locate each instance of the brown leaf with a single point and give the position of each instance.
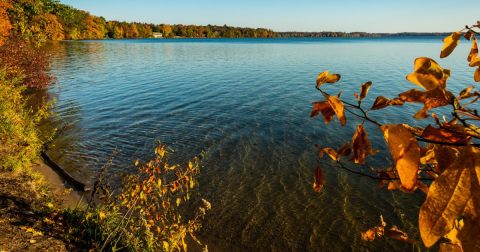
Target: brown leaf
(319, 177)
(450, 43)
(364, 90)
(468, 35)
(417, 131)
(445, 156)
(337, 106)
(468, 235)
(381, 179)
(405, 152)
(454, 193)
(443, 136)
(345, 150)
(332, 154)
(326, 110)
(474, 51)
(399, 235)
(383, 102)
(369, 235)
(448, 247)
(327, 78)
(476, 75)
(428, 74)
(430, 99)
(422, 186)
(361, 146)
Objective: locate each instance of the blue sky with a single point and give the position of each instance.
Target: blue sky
(300, 15)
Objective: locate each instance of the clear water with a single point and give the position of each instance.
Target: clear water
(246, 102)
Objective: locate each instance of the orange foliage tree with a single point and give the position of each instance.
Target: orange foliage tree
(445, 153)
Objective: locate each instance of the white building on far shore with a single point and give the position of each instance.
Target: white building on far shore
(157, 35)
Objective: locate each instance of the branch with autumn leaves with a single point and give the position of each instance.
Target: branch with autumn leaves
(448, 155)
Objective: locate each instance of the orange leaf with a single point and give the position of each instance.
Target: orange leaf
(361, 146)
(369, 235)
(468, 35)
(319, 177)
(345, 150)
(475, 62)
(326, 110)
(383, 102)
(332, 153)
(327, 78)
(430, 99)
(399, 235)
(448, 247)
(364, 90)
(428, 74)
(454, 193)
(465, 94)
(427, 155)
(422, 186)
(337, 106)
(405, 152)
(474, 51)
(476, 75)
(443, 136)
(450, 43)
(445, 156)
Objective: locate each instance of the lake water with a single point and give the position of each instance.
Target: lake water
(246, 103)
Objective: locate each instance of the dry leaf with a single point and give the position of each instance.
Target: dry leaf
(345, 150)
(337, 106)
(468, 35)
(327, 78)
(361, 146)
(319, 177)
(445, 156)
(383, 102)
(364, 90)
(369, 235)
(332, 154)
(452, 195)
(428, 74)
(427, 156)
(450, 43)
(452, 236)
(443, 136)
(448, 247)
(468, 235)
(326, 110)
(475, 62)
(465, 94)
(399, 235)
(430, 99)
(474, 51)
(417, 131)
(476, 75)
(381, 179)
(405, 152)
(422, 186)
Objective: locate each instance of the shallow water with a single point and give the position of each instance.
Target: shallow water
(246, 102)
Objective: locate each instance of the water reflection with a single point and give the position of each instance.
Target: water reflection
(245, 102)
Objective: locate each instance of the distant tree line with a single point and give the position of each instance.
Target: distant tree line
(211, 31)
(355, 34)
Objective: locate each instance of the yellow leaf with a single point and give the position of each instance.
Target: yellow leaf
(465, 94)
(136, 162)
(319, 178)
(332, 153)
(454, 193)
(428, 74)
(427, 155)
(450, 43)
(452, 236)
(475, 62)
(430, 99)
(101, 215)
(337, 106)
(33, 241)
(361, 146)
(383, 102)
(364, 90)
(325, 108)
(30, 230)
(474, 51)
(405, 152)
(327, 78)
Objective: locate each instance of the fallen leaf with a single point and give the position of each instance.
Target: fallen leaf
(430, 99)
(450, 43)
(361, 146)
(405, 152)
(383, 102)
(428, 74)
(319, 177)
(338, 107)
(327, 78)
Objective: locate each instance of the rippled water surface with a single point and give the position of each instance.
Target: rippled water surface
(246, 102)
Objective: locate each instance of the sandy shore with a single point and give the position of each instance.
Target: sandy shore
(58, 185)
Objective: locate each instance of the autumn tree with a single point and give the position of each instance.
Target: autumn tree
(445, 152)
